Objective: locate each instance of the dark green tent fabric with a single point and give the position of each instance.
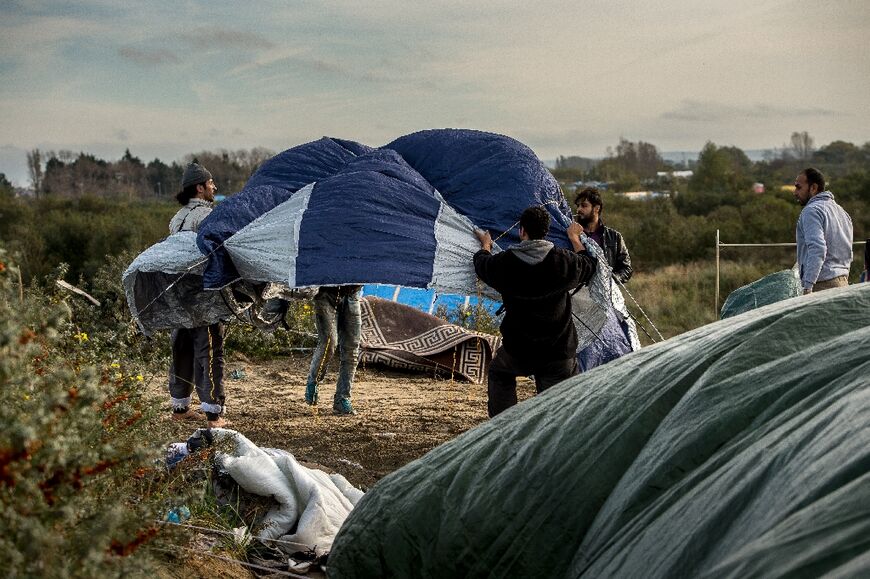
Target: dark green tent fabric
(740, 449)
(767, 290)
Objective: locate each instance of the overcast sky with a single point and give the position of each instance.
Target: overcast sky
(566, 77)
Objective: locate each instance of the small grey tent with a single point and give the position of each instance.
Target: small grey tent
(740, 449)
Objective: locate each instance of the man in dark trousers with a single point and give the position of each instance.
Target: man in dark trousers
(589, 208)
(197, 353)
(534, 279)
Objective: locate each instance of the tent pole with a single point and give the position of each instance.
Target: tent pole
(716, 306)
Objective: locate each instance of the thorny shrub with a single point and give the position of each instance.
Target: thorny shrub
(77, 467)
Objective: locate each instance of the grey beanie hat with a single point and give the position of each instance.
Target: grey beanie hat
(194, 174)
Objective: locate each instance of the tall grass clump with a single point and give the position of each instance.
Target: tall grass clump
(679, 298)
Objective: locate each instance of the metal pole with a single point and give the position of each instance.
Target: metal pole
(716, 308)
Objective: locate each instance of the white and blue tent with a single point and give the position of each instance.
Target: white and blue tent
(336, 212)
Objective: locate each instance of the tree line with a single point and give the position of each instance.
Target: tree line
(627, 166)
(718, 169)
(67, 174)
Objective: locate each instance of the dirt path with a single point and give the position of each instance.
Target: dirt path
(400, 416)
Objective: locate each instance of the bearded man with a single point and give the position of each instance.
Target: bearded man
(589, 208)
(823, 234)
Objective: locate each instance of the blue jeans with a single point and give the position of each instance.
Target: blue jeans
(338, 320)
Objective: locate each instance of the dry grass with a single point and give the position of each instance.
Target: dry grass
(679, 298)
(401, 416)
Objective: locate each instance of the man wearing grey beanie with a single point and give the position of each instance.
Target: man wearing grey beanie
(197, 196)
(197, 353)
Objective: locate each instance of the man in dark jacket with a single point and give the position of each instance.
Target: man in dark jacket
(534, 279)
(589, 208)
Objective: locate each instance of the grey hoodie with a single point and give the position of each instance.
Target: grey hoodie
(532, 251)
(824, 240)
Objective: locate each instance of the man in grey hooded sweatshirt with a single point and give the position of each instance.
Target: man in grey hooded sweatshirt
(824, 235)
(534, 279)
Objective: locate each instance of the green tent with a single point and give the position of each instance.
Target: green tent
(740, 449)
(767, 290)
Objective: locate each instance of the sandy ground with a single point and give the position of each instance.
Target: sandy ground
(400, 416)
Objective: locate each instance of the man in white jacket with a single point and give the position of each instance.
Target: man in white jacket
(824, 235)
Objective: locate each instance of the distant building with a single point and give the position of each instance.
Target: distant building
(643, 195)
(600, 185)
(676, 174)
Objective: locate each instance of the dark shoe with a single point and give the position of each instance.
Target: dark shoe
(311, 393)
(342, 407)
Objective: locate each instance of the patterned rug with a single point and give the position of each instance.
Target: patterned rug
(403, 337)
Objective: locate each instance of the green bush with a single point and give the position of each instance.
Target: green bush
(657, 235)
(80, 232)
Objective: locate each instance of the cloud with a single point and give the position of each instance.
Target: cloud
(204, 38)
(148, 57)
(283, 65)
(565, 78)
(708, 111)
(266, 59)
(14, 165)
(324, 66)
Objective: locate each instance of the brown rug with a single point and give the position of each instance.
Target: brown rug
(403, 337)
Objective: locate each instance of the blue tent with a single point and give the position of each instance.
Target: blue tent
(391, 215)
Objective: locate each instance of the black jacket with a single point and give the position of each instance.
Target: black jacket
(616, 254)
(537, 325)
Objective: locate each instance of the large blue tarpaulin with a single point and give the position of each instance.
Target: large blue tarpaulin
(336, 212)
(379, 208)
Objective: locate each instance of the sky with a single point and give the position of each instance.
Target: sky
(166, 79)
